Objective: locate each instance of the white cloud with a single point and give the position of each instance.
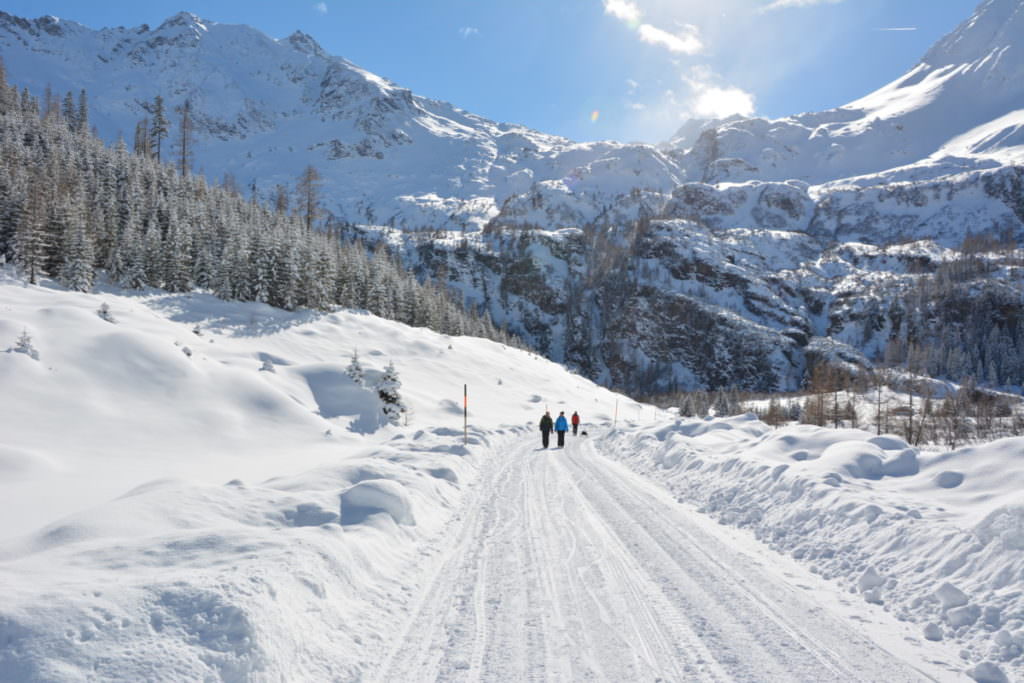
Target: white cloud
(708, 100)
(321, 7)
(716, 103)
(467, 31)
(686, 41)
(782, 4)
(623, 9)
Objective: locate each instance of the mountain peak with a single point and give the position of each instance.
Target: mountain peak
(185, 20)
(996, 25)
(306, 44)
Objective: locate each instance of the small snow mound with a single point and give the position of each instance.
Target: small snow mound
(373, 496)
(869, 579)
(1006, 525)
(445, 473)
(860, 459)
(987, 672)
(933, 631)
(950, 596)
(949, 480)
(963, 616)
(903, 465)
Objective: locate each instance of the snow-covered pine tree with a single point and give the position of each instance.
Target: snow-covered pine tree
(262, 281)
(24, 345)
(387, 390)
(77, 273)
(104, 313)
(29, 236)
(355, 370)
(68, 111)
(177, 258)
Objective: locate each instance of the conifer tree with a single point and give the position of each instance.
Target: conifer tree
(158, 127)
(24, 345)
(82, 115)
(185, 138)
(142, 145)
(355, 370)
(77, 272)
(68, 111)
(387, 390)
(308, 196)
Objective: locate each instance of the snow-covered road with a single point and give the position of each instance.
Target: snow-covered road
(569, 567)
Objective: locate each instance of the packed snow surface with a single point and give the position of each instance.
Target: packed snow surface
(196, 490)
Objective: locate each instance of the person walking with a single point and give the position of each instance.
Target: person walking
(561, 426)
(545, 428)
(575, 422)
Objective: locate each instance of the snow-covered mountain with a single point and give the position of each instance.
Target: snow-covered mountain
(964, 99)
(265, 109)
(718, 258)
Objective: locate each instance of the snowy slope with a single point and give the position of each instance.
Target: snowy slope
(198, 490)
(148, 397)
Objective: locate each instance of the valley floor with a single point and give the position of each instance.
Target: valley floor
(567, 567)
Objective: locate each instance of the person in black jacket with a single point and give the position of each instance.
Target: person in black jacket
(546, 425)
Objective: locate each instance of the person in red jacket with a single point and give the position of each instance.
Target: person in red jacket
(575, 422)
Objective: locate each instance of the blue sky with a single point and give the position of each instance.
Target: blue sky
(591, 69)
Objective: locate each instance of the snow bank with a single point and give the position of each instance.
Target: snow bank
(181, 580)
(935, 538)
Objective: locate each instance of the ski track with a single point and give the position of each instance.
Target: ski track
(569, 567)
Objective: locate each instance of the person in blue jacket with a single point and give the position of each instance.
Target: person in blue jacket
(561, 427)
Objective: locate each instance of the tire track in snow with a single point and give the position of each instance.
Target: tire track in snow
(778, 631)
(569, 567)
